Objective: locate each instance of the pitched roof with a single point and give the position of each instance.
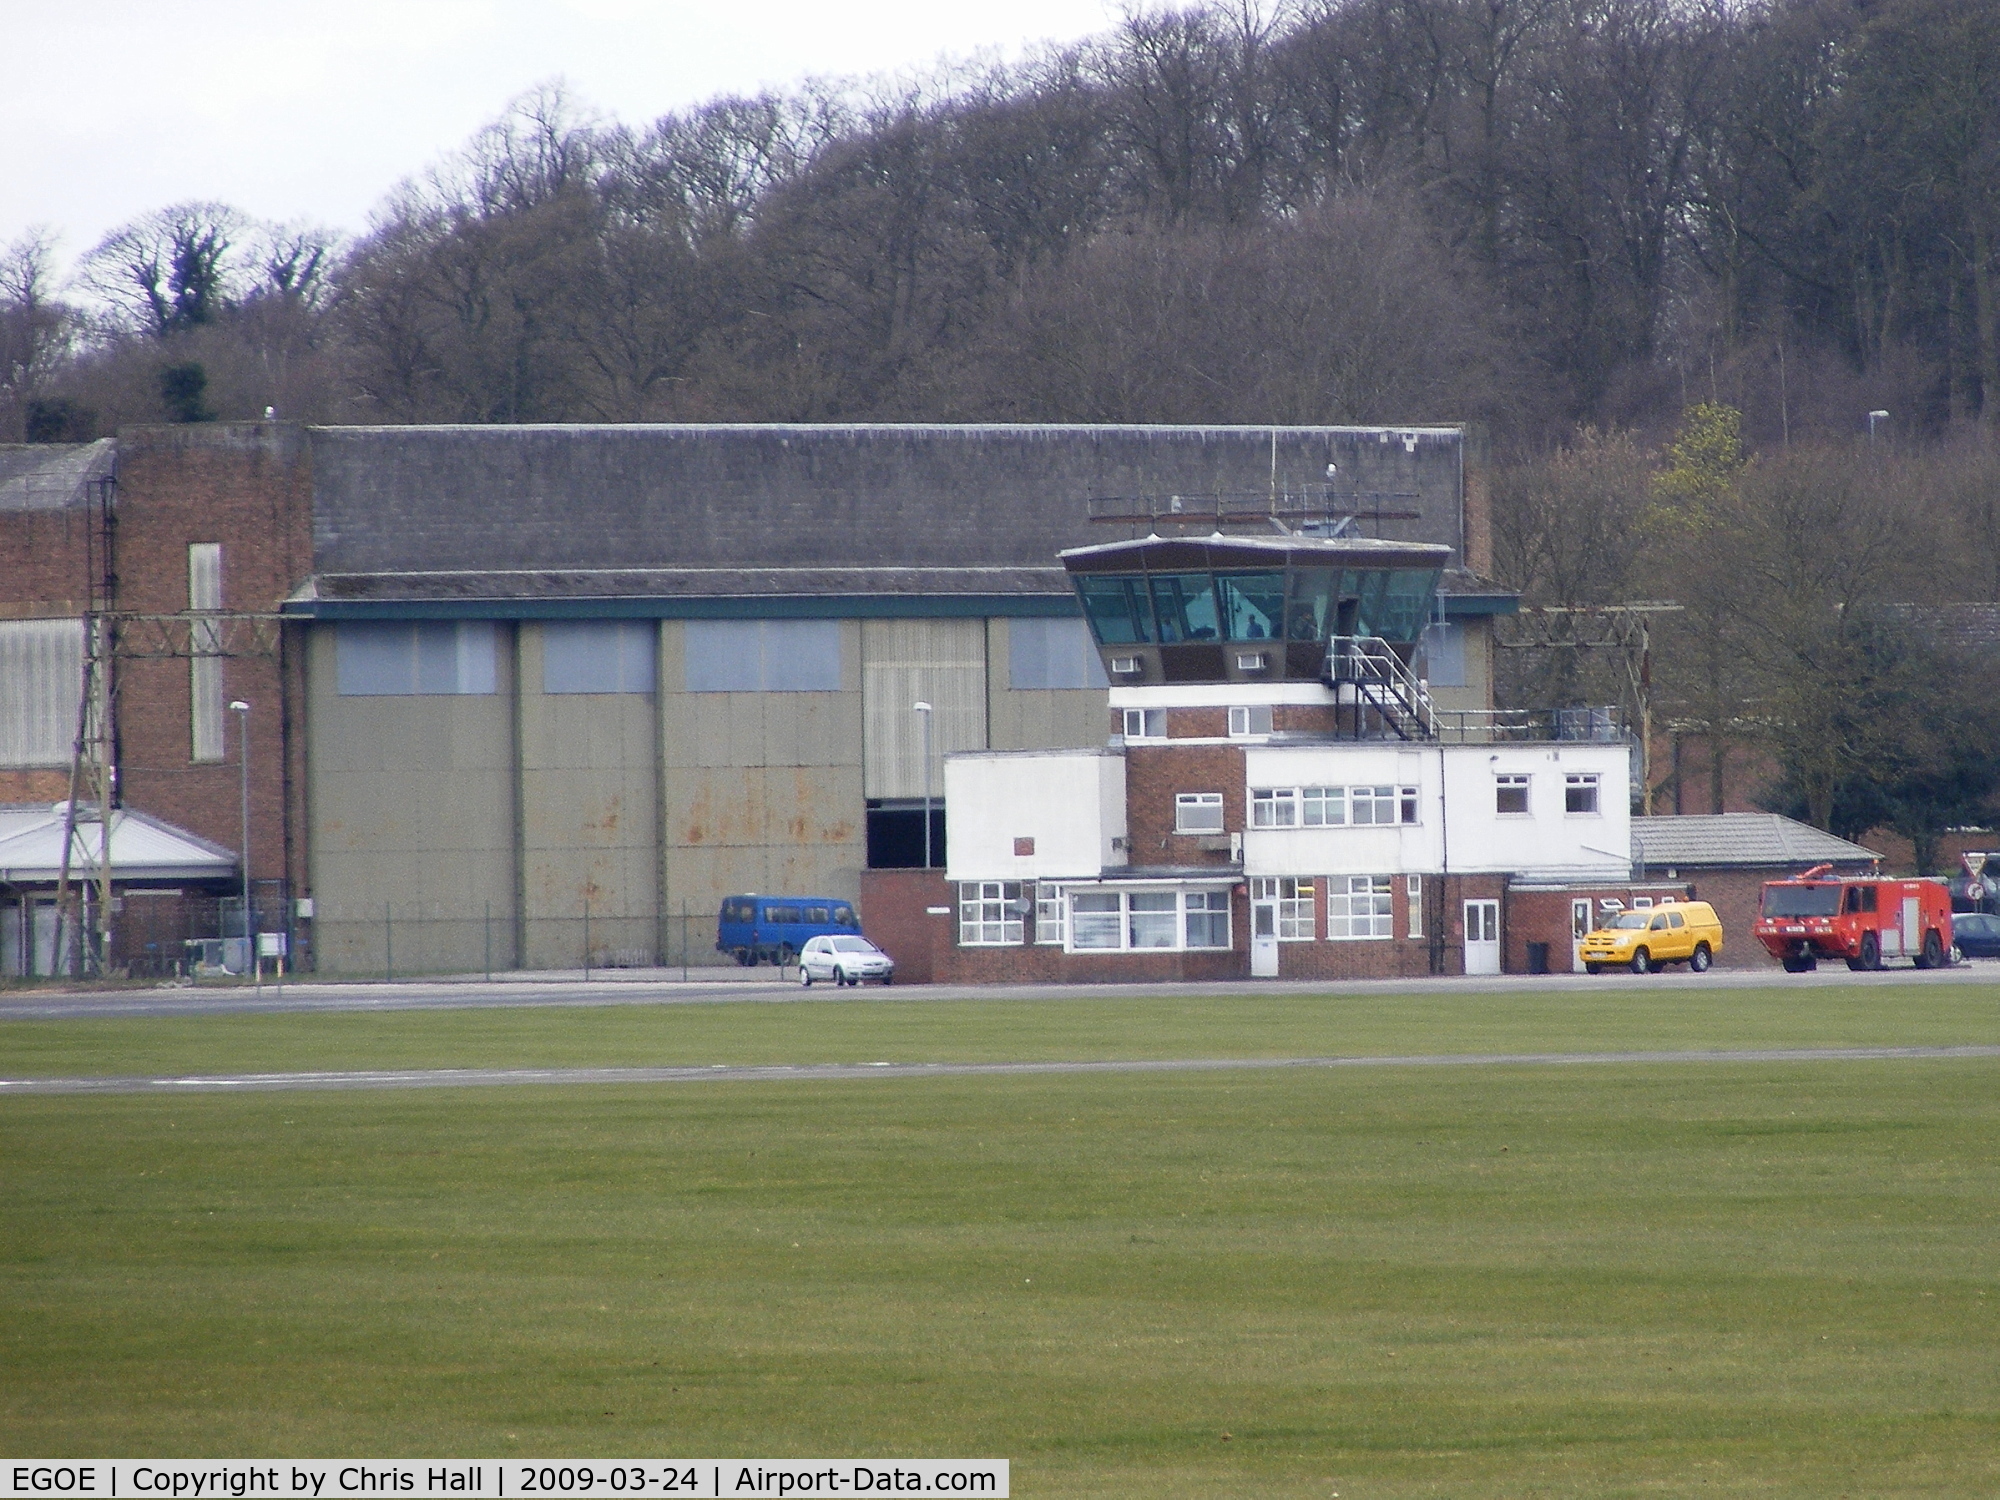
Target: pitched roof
(142, 847)
(419, 503)
(51, 476)
(1710, 839)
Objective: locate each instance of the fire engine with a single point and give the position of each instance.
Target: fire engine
(1861, 918)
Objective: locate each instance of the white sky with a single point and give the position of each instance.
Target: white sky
(110, 108)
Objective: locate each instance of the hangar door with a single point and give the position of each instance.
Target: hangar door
(903, 662)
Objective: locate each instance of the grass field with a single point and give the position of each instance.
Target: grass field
(1729, 1279)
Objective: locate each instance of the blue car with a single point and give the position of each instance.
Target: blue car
(757, 929)
(1976, 934)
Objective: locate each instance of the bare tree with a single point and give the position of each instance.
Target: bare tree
(175, 269)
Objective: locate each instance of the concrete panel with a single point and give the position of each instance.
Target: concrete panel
(1038, 718)
(409, 805)
(589, 778)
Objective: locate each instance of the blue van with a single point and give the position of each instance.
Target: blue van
(771, 929)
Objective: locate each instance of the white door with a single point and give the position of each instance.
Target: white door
(1579, 929)
(1913, 926)
(1482, 937)
(1263, 940)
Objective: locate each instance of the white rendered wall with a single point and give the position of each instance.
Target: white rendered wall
(1071, 803)
(1476, 836)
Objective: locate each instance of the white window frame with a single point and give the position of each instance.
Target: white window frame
(205, 685)
(1298, 916)
(1197, 905)
(1145, 723)
(1274, 807)
(1359, 908)
(986, 914)
(1113, 921)
(1323, 807)
(1198, 812)
(1584, 785)
(1051, 915)
(1413, 904)
(1508, 781)
(1246, 720)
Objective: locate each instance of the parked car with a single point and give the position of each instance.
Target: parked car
(1646, 938)
(1976, 934)
(772, 929)
(844, 960)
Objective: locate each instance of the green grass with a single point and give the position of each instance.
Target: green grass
(1731, 1279)
(1616, 1017)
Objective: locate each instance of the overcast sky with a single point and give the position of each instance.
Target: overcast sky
(113, 107)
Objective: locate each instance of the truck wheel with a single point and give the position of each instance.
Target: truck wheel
(1871, 951)
(1700, 960)
(1933, 955)
(1642, 961)
(1593, 968)
(1793, 963)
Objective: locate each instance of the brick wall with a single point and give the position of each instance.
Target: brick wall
(45, 573)
(894, 918)
(248, 487)
(1154, 776)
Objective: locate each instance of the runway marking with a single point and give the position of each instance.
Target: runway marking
(436, 1078)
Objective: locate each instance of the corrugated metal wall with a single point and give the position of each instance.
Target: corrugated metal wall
(41, 679)
(903, 662)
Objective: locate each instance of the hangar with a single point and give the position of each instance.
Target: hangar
(536, 695)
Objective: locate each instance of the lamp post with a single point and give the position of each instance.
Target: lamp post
(1873, 418)
(925, 710)
(242, 712)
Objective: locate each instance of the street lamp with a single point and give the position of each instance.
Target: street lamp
(1873, 418)
(925, 710)
(242, 712)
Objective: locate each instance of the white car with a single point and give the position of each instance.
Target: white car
(844, 960)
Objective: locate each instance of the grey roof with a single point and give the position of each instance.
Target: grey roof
(493, 501)
(52, 476)
(1960, 627)
(680, 583)
(1710, 839)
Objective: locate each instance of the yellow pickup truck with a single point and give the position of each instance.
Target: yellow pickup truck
(1646, 938)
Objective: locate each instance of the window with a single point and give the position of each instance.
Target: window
(1510, 794)
(1253, 605)
(1275, 808)
(1443, 652)
(1297, 921)
(1254, 719)
(41, 679)
(599, 656)
(1198, 812)
(1579, 793)
(401, 658)
(1359, 906)
(763, 656)
(1325, 806)
(1406, 798)
(205, 647)
(1052, 654)
(1095, 919)
(1413, 900)
(1154, 918)
(1050, 910)
(1145, 723)
(1375, 804)
(989, 913)
(1207, 919)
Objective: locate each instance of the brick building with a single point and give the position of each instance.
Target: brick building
(532, 695)
(1280, 794)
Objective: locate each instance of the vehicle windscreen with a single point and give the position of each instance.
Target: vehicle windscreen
(1801, 900)
(1628, 920)
(850, 945)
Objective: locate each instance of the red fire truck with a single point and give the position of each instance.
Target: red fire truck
(1861, 918)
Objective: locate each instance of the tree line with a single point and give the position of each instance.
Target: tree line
(1588, 225)
(1529, 212)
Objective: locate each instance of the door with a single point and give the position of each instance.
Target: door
(1913, 926)
(1579, 929)
(1482, 937)
(1264, 939)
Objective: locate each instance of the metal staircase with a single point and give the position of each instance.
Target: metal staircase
(1385, 696)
